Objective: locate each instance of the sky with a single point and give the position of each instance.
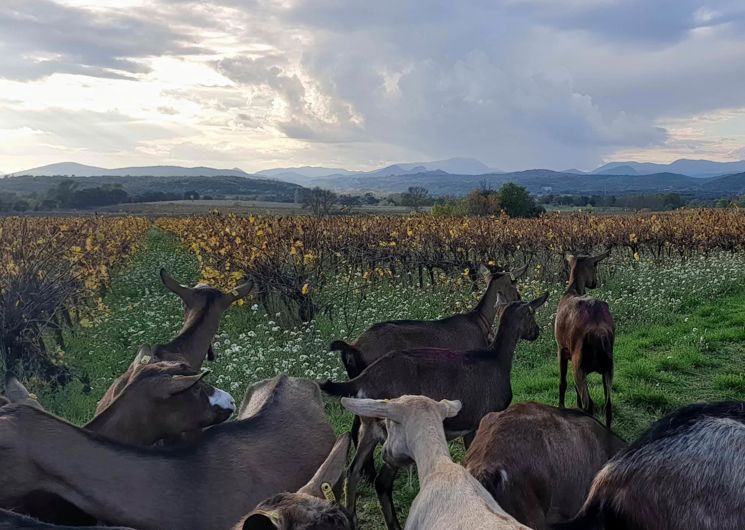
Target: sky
(360, 84)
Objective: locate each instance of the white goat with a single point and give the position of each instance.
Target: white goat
(449, 497)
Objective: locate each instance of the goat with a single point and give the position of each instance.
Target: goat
(538, 461)
(14, 521)
(480, 379)
(314, 506)
(687, 471)
(461, 332)
(585, 332)
(211, 484)
(449, 497)
(203, 307)
(161, 400)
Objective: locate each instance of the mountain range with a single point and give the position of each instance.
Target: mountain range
(457, 176)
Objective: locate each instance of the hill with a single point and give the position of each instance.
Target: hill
(73, 169)
(692, 168)
(217, 186)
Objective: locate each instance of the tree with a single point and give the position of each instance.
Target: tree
(416, 196)
(484, 201)
(320, 201)
(517, 202)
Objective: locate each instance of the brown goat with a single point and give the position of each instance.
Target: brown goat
(538, 461)
(203, 307)
(585, 333)
(686, 472)
(211, 484)
(161, 400)
(314, 507)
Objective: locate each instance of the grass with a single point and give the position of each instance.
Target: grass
(681, 338)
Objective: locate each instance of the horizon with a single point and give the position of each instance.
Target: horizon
(300, 167)
(519, 85)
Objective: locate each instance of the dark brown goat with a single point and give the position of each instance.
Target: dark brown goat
(13, 521)
(687, 471)
(203, 307)
(313, 507)
(479, 379)
(461, 332)
(538, 462)
(585, 333)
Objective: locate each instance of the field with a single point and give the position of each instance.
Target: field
(676, 288)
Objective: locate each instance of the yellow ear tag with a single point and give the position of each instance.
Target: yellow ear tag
(33, 396)
(145, 359)
(328, 492)
(512, 277)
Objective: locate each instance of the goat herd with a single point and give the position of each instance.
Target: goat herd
(159, 455)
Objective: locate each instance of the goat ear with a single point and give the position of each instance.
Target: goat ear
(602, 256)
(176, 384)
(450, 408)
(519, 273)
(501, 302)
(484, 270)
(144, 356)
(240, 291)
(331, 471)
(15, 392)
(369, 408)
(538, 302)
(261, 521)
(174, 286)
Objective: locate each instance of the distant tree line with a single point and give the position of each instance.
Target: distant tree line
(510, 199)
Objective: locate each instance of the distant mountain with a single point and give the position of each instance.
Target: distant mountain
(618, 170)
(692, 168)
(308, 175)
(305, 171)
(81, 170)
(455, 166)
(537, 181)
(728, 185)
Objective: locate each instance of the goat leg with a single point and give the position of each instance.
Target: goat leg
(365, 449)
(563, 364)
(384, 488)
(368, 469)
(607, 388)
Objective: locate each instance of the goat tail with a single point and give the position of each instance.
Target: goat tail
(345, 389)
(599, 342)
(351, 357)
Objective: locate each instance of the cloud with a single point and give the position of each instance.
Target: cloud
(41, 37)
(518, 83)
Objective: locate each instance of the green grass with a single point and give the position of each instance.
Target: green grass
(681, 338)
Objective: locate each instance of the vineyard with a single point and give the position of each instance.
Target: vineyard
(80, 295)
(54, 270)
(295, 258)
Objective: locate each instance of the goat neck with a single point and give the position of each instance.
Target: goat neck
(486, 309)
(124, 428)
(425, 438)
(195, 338)
(576, 287)
(505, 342)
